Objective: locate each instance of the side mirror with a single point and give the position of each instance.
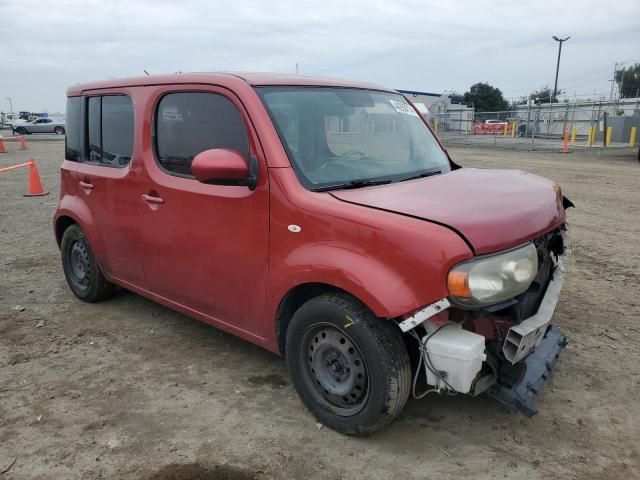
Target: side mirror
(222, 166)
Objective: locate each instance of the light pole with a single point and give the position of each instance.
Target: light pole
(10, 105)
(555, 86)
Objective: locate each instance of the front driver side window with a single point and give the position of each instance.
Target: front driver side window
(188, 123)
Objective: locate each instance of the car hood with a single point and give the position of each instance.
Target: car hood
(491, 209)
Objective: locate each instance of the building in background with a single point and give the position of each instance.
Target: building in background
(443, 114)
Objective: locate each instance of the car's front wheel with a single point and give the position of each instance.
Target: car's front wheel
(21, 131)
(81, 269)
(58, 131)
(350, 368)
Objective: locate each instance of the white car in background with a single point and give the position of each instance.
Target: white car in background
(39, 125)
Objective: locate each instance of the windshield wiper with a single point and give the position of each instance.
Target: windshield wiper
(428, 173)
(352, 184)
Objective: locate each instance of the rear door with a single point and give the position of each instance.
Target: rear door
(108, 183)
(206, 246)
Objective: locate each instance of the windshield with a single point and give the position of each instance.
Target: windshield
(346, 138)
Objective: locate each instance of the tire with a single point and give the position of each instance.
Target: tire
(21, 131)
(81, 268)
(350, 368)
(58, 131)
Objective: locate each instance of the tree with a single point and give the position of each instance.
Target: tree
(485, 98)
(519, 102)
(543, 95)
(456, 97)
(628, 80)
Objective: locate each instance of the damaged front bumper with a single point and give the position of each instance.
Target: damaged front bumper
(532, 348)
(536, 368)
(519, 356)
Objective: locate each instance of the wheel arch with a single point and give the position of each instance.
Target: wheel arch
(294, 299)
(61, 224)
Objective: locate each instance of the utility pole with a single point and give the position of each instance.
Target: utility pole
(555, 86)
(613, 80)
(10, 105)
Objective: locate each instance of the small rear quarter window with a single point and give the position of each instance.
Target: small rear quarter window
(73, 126)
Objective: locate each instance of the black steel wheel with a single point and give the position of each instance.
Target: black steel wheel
(336, 372)
(81, 269)
(350, 368)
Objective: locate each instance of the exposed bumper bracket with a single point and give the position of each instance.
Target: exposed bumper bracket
(523, 337)
(538, 366)
(424, 314)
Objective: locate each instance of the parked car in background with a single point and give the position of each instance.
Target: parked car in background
(39, 125)
(495, 122)
(323, 221)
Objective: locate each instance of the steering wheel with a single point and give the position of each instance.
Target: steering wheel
(345, 156)
(350, 154)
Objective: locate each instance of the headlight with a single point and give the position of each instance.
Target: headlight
(492, 279)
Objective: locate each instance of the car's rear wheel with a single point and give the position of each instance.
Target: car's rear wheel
(81, 269)
(58, 131)
(350, 368)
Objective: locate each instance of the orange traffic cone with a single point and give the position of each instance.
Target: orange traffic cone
(23, 143)
(3, 149)
(34, 187)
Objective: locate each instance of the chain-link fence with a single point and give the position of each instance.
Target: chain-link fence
(594, 124)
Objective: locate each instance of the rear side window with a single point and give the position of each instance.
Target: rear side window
(73, 126)
(110, 130)
(188, 123)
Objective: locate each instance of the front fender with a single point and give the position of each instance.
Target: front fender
(384, 290)
(393, 263)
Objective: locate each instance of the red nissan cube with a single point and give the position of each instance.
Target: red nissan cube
(323, 221)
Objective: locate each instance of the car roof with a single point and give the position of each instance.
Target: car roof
(224, 78)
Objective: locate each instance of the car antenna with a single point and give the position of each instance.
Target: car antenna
(146, 72)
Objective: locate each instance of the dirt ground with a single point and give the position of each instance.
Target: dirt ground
(128, 389)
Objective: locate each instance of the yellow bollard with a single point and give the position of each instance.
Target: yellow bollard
(513, 129)
(608, 140)
(632, 137)
(573, 135)
(505, 129)
(435, 125)
(589, 136)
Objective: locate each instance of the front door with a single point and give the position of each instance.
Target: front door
(108, 186)
(39, 126)
(206, 246)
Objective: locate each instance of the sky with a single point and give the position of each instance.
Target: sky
(425, 45)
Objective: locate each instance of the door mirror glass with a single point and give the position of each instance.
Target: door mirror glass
(221, 166)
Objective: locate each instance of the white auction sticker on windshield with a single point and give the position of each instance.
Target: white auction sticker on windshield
(402, 107)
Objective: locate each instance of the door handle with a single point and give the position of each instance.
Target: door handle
(153, 202)
(86, 186)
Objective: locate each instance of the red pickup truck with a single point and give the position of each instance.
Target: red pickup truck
(323, 221)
